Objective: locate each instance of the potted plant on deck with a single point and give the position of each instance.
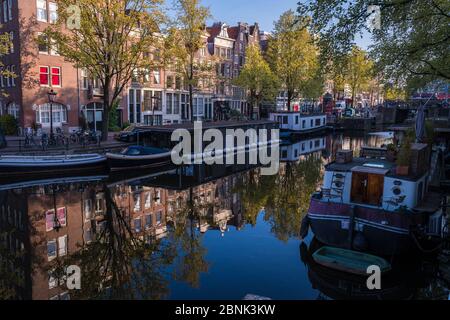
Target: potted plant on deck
(404, 158)
(391, 153)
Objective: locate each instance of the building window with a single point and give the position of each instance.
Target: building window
(56, 76)
(53, 12)
(169, 98)
(5, 11)
(59, 114)
(148, 200)
(178, 83)
(84, 79)
(87, 209)
(137, 202)
(148, 221)
(43, 44)
(169, 83)
(41, 10)
(44, 76)
(62, 246)
(51, 250)
(176, 104)
(137, 225)
(158, 217)
(10, 9)
(156, 77)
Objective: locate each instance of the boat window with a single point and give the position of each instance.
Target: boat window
(285, 120)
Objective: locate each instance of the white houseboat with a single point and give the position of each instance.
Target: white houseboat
(298, 122)
(365, 205)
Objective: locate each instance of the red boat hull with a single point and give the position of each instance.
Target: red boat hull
(375, 230)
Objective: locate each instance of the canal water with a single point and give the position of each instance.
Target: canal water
(217, 232)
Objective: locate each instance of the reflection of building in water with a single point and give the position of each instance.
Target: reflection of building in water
(56, 221)
(215, 203)
(145, 207)
(41, 226)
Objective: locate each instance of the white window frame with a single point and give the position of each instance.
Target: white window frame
(53, 12)
(62, 246)
(41, 10)
(84, 76)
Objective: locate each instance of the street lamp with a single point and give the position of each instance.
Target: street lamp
(51, 99)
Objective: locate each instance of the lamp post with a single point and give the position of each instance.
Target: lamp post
(51, 98)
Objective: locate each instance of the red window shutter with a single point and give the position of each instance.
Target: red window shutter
(43, 76)
(49, 220)
(56, 77)
(62, 216)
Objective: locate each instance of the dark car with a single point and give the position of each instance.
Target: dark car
(129, 134)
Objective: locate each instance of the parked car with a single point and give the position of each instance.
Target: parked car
(129, 134)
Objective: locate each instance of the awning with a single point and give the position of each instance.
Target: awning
(370, 170)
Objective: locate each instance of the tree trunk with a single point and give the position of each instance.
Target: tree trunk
(106, 110)
(289, 101)
(191, 89)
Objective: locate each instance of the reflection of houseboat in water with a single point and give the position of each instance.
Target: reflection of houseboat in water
(399, 284)
(365, 205)
(293, 152)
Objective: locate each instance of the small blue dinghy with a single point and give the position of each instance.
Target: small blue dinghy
(349, 261)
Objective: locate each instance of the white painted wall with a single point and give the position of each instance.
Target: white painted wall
(297, 122)
(410, 189)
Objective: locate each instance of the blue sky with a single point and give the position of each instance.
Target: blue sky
(265, 12)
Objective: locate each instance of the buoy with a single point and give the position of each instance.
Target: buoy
(304, 229)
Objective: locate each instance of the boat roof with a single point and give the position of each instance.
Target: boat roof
(205, 125)
(369, 165)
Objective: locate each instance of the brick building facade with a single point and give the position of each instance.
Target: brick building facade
(158, 98)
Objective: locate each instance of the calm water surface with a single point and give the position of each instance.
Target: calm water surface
(198, 233)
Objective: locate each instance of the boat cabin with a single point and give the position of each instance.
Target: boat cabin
(297, 121)
(373, 183)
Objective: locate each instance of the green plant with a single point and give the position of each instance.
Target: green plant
(125, 125)
(404, 154)
(391, 147)
(8, 124)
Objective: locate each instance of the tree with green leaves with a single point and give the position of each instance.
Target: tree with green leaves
(359, 71)
(293, 55)
(109, 39)
(257, 79)
(411, 45)
(186, 38)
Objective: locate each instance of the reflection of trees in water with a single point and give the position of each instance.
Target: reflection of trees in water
(285, 197)
(187, 241)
